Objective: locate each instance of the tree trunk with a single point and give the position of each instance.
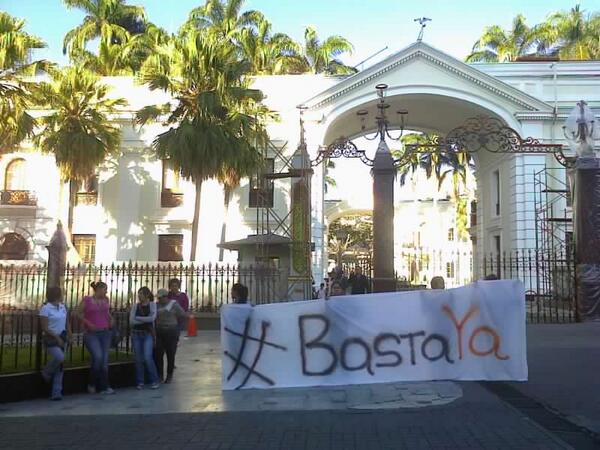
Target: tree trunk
(196, 220)
(72, 197)
(227, 199)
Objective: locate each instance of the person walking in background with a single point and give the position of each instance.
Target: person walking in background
(181, 298)
(438, 282)
(94, 313)
(141, 318)
(359, 284)
(239, 293)
(57, 334)
(321, 293)
(336, 289)
(168, 314)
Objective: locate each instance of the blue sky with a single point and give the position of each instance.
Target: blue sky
(369, 24)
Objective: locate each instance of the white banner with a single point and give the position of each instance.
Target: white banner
(475, 332)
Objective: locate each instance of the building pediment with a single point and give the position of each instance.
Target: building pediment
(422, 65)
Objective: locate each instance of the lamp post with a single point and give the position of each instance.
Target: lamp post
(384, 173)
(579, 132)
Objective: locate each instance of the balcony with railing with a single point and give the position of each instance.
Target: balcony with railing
(170, 199)
(17, 198)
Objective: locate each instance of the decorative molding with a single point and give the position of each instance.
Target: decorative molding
(494, 85)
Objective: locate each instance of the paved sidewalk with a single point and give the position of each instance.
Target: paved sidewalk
(478, 420)
(436, 415)
(564, 370)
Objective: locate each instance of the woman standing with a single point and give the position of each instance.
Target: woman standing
(141, 319)
(94, 312)
(57, 333)
(168, 315)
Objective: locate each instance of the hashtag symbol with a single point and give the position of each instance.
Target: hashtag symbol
(238, 360)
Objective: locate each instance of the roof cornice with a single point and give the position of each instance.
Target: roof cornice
(439, 58)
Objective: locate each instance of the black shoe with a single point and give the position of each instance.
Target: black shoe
(168, 379)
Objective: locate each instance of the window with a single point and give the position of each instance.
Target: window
(474, 213)
(13, 246)
(87, 191)
(171, 195)
(85, 244)
(450, 234)
(262, 190)
(450, 270)
(15, 175)
(171, 178)
(170, 247)
(496, 192)
(497, 245)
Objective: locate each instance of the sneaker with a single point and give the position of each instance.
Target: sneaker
(56, 398)
(91, 389)
(108, 391)
(155, 386)
(139, 387)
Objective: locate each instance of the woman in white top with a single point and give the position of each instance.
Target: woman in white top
(57, 334)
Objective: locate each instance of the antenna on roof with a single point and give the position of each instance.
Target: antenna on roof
(423, 22)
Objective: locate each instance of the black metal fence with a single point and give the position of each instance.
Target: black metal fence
(549, 279)
(208, 286)
(22, 292)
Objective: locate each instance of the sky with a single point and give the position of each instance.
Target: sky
(370, 25)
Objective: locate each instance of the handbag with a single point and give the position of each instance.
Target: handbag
(115, 337)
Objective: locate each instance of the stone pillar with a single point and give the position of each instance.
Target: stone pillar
(587, 237)
(384, 174)
(57, 256)
(301, 214)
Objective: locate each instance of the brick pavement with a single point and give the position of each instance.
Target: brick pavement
(478, 420)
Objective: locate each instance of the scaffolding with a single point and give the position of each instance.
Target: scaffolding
(271, 225)
(554, 234)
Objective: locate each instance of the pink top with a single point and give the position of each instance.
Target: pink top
(96, 312)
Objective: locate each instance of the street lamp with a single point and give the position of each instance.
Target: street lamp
(579, 130)
(383, 124)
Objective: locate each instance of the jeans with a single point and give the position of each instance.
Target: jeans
(54, 370)
(166, 342)
(98, 344)
(143, 348)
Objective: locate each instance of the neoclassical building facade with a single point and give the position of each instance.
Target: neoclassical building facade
(137, 209)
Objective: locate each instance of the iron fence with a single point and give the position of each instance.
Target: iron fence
(21, 341)
(549, 279)
(208, 285)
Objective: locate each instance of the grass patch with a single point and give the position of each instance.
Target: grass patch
(22, 358)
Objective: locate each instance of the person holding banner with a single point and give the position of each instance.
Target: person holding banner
(239, 293)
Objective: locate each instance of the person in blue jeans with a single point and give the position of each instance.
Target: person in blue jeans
(57, 334)
(141, 318)
(94, 313)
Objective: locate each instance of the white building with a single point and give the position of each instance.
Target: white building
(138, 210)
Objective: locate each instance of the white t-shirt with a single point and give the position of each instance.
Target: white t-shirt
(57, 317)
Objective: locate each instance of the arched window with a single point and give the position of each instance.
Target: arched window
(15, 175)
(13, 246)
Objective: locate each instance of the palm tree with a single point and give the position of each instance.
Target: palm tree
(575, 34)
(440, 164)
(220, 17)
(245, 165)
(215, 119)
(77, 131)
(16, 45)
(113, 21)
(322, 57)
(268, 53)
(498, 45)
